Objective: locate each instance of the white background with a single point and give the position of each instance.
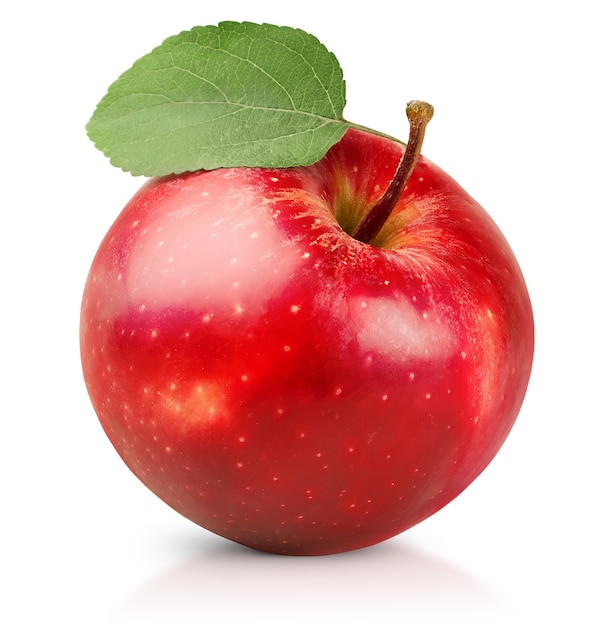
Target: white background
(517, 89)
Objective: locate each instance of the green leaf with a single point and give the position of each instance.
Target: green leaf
(236, 94)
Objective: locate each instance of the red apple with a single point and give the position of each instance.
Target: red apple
(287, 386)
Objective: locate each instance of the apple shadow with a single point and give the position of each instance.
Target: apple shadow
(225, 583)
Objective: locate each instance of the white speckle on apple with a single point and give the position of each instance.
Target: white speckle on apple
(306, 255)
(463, 355)
(381, 332)
(287, 348)
(244, 378)
(154, 333)
(273, 179)
(412, 376)
(295, 308)
(206, 318)
(239, 309)
(338, 391)
(242, 439)
(385, 397)
(428, 396)
(253, 235)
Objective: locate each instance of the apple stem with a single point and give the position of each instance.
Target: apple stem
(419, 115)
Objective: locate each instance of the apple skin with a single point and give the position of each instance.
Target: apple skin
(286, 386)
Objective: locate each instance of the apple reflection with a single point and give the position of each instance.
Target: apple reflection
(225, 583)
